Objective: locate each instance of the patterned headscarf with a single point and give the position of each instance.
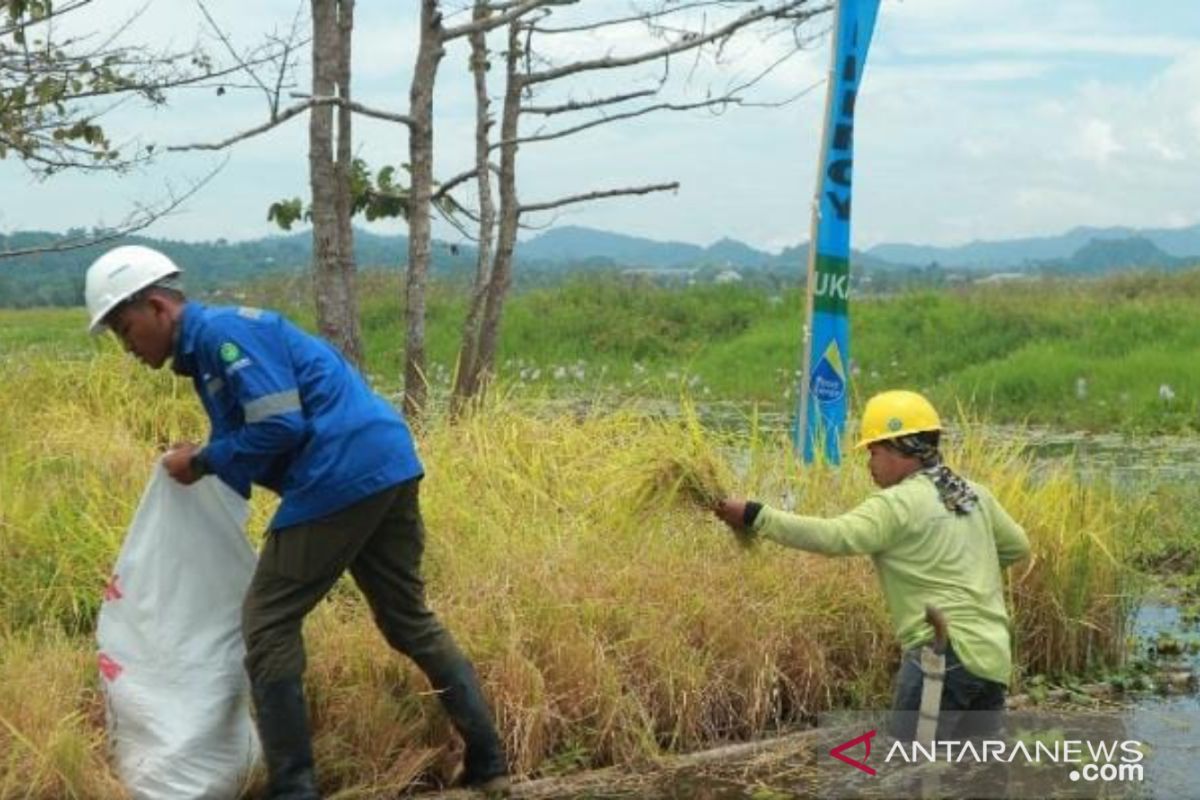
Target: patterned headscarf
(955, 493)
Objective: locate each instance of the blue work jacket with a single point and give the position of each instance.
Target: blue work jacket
(289, 413)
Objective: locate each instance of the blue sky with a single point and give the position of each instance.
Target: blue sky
(978, 119)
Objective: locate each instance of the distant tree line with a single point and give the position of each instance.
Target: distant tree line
(55, 278)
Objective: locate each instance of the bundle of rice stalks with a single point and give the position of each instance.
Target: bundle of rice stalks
(696, 479)
(682, 464)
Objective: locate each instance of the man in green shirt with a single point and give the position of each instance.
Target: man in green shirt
(936, 540)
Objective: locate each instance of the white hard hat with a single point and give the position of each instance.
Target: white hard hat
(118, 275)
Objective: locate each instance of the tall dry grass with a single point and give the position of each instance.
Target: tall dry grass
(610, 617)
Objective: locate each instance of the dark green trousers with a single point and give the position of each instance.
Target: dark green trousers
(381, 540)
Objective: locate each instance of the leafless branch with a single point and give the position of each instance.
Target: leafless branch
(248, 62)
(512, 11)
(785, 101)
(139, 219)
(543, 137)
(229, 48)
(643, 16)
(576, 105)
(293, 41)
(499, 7)
(466, 175)
(367, 111)
(683, 44)
(749, 83)
(445, 188)
(599, 195)
(289, 113)
(276, 121)
(115, 32)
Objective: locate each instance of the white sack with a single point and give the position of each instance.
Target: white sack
(169, 634)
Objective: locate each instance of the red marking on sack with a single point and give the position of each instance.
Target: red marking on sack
(110, 669)
(111, 590)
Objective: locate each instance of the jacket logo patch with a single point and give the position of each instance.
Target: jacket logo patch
(230, 352)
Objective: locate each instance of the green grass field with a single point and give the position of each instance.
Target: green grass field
(1092, 355)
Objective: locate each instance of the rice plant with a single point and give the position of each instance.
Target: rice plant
(573, 554)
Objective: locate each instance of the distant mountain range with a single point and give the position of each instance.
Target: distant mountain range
(1014, 253)
(572, 244)
(1104, 248)
(57, 277)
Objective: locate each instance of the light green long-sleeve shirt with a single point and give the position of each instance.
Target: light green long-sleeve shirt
(925, 554)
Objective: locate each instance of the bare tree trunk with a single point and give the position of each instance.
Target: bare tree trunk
(506, 239)
(333, 265)
(320, 163)
(350, 334)
(420, 155)
(467, 380)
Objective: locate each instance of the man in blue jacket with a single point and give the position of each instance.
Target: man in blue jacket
(289, 413)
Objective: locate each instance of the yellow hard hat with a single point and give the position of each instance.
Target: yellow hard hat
(889, 415)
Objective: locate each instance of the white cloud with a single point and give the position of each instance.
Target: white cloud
(1097, 141)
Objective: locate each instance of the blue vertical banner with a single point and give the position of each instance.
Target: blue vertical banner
(821, 413)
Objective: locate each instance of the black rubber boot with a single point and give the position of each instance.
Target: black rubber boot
(282, 722)
(484, 764)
